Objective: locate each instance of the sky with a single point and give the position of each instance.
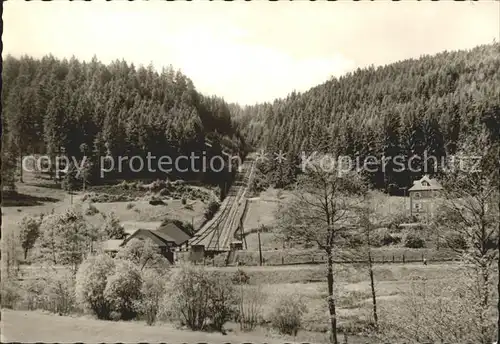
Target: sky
(254, 51)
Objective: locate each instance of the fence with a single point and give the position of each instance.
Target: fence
(286, 257)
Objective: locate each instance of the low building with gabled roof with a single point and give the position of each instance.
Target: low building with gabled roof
(167, 236)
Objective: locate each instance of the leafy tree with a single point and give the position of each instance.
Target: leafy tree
(112, 228)
(8, 171)
(66, 238)
(29, 233)
(144, 254)
(212, 208)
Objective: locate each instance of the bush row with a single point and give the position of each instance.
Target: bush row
(118, 289)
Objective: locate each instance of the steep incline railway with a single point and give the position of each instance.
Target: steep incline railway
(217, 234)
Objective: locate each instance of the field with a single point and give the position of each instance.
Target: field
(44, 196)
(275, 280)
(26, 327)
(306, 282)
(263, 213)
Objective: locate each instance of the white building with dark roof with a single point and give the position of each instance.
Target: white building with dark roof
(423, 195)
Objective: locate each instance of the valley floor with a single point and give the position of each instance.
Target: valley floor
(29, 327)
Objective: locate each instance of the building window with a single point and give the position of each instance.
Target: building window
(424, 183)
(418, 206)
(417, 194)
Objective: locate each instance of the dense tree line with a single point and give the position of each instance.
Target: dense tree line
(432, 104)
(53, 106)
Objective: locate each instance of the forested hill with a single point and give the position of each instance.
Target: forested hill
(49, 104)
(434, 104)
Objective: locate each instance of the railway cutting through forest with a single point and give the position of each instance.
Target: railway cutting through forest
(217, 234)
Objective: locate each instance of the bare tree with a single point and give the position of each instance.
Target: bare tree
(11, 255)
(372, 216)
(369, 221)
(490, 118)
(321, 211)
(469, 211)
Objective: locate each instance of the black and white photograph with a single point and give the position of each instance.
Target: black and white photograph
(221, 172)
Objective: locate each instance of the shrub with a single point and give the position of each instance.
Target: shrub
(389, 239)
(195, 296)
(430, 311)
(287, 314)
(158, 185)
(130, 206)
(91, 210)
(240, 277)
(401, 218)
(153, 288)
(164, 192)
(412, 240)
(124, 185)
(222, 300)
(123, 289)
(156, 201)
(183, 201)
(9, 293)
(32, 292)
(455, 241)
(91, 280)
(105, 198)
(57, 294)
(258, 183)
(187, 296)
(250, 300)
(212, 208)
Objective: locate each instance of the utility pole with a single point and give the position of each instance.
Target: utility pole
(218, 236)
(260, 247)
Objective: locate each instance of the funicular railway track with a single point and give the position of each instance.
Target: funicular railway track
(216, 234)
